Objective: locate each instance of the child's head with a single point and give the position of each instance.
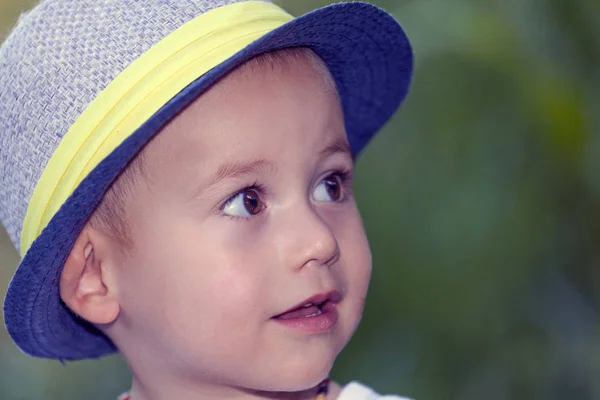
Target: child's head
(238, 211)
(180, 186)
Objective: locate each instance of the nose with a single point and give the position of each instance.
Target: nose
(310, 240)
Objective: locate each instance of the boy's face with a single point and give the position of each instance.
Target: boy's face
(247, 212)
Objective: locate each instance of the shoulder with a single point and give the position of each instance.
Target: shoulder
(358, 391)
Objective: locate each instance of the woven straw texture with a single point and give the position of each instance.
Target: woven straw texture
(58, 58)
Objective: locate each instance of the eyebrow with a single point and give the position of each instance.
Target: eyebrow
(236, 169)
(338, 146)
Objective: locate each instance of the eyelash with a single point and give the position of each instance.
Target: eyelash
(345, 176)
(342, 172)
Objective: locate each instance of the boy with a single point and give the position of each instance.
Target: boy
(178, 175)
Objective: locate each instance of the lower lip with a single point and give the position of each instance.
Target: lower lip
(322, 323)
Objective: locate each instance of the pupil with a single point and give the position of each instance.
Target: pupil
(333, 188)
(251, 202)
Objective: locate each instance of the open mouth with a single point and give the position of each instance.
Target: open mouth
(312, 307)
(314, 316)
(308, 310)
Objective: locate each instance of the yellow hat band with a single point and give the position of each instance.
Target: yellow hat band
(138, 92)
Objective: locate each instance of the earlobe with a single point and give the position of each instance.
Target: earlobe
(86, 286)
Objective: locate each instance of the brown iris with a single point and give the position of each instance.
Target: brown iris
(334, 187)
(252, 202)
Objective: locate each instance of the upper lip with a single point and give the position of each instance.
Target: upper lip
(333, 296)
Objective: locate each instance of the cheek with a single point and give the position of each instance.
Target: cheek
(354, 267)
(356, 256)
(354, 248)
(194, 287)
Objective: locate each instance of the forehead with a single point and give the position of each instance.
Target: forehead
(281, 106)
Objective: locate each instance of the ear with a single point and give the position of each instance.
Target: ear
(86, 283)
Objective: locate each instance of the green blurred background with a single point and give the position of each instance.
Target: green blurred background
(482, 204)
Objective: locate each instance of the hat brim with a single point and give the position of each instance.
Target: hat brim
(371, 61)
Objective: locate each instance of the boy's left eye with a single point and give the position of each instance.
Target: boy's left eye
(329, 189)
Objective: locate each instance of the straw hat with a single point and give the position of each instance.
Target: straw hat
(84, 84)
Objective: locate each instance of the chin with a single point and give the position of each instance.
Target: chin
(303, 376)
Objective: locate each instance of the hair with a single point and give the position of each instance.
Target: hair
(110, 216)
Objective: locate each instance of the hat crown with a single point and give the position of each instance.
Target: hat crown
(57, 59)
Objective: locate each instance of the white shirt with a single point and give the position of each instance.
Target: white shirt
(358, 391)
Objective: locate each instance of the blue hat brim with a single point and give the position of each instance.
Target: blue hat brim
(371, 61)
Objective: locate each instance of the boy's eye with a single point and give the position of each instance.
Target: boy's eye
(244, 204)
(329, 189)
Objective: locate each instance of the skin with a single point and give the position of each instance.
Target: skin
(191, 304)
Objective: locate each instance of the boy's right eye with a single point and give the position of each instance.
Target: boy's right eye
(246, 203)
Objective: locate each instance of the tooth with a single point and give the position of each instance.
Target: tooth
(307, 305)
(317, 313)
